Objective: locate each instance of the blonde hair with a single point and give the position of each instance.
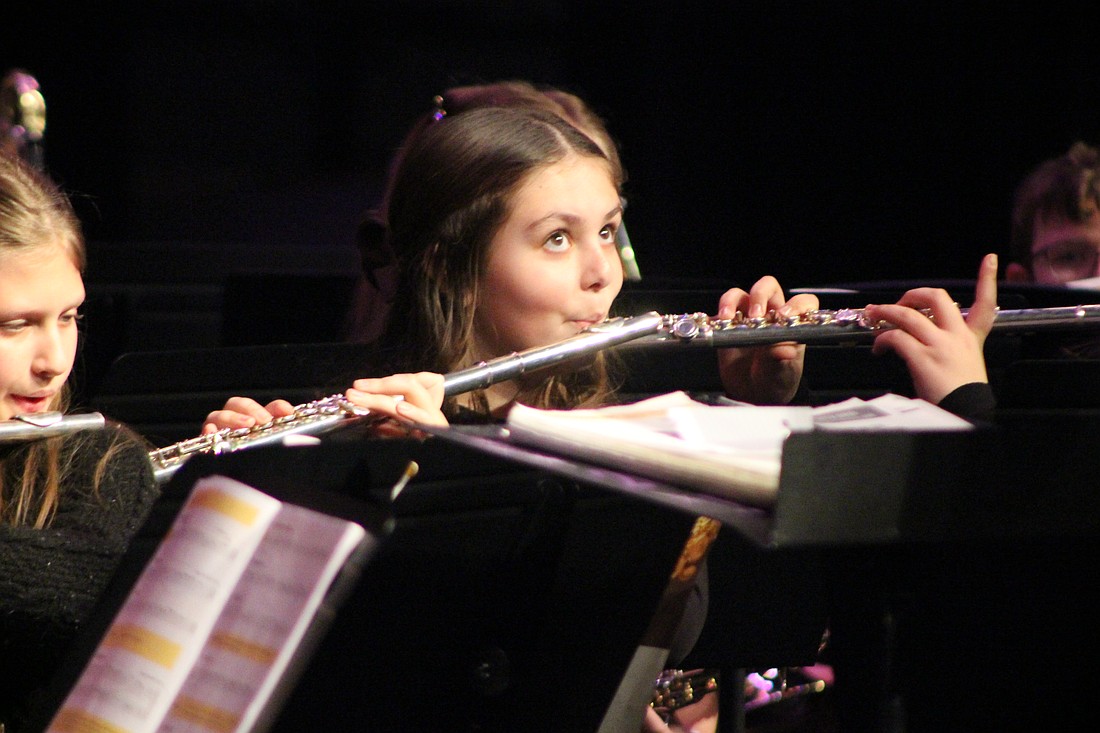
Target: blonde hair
(34, 214)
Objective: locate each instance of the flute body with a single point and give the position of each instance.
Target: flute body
(599, 336)
(647, 331)
(312, 418)
(847, 325)
(33, 426)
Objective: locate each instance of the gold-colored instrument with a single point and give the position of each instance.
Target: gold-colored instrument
(649, 330)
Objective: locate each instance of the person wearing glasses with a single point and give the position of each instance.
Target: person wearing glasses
(1055, 236)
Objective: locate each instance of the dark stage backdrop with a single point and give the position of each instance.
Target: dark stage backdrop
(821, 142)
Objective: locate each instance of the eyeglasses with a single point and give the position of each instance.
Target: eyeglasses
(1070, 260)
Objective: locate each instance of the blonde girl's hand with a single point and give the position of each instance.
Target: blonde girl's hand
(763, 375)
(413, 399)
(945, 351)
(244, 412)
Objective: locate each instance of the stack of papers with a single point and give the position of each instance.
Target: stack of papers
(734, 451)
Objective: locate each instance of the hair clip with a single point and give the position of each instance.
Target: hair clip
(440, 113)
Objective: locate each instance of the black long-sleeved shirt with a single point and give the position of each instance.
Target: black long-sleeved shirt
(50, 579)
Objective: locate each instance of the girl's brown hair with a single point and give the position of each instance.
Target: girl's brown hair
(450, 194)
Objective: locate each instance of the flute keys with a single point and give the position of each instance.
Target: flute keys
(685, 328)
(854, 316)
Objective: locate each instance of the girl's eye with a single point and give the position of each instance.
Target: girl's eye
(607, 234)
(557, 242)
(72, 317)
(13, 326)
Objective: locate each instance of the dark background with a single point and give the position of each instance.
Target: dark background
(820, 142)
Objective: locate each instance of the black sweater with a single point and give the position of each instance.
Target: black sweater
(51, 578)
(974, 401)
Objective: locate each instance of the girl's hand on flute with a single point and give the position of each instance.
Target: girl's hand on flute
(763, 375)
(408, 398)
(244, 412)
(945, 351)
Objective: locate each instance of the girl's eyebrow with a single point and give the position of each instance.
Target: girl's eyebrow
(32, 312)
(571, 218)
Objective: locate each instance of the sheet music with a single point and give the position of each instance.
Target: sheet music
(264, 620)
(135, 673)
(734, 451)
(213, 621)
(886, 413)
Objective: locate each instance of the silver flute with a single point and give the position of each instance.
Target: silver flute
(37, 425)
(320, 416)
(847, 325)
(647, 331)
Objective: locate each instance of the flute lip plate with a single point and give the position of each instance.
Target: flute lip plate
(41, 419)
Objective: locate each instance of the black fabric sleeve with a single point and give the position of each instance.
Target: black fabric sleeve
(974, 401)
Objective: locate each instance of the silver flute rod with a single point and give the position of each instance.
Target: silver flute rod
(322, 415)
(849, 325)
(312, 418)
(649, 330)
(34, 426)
(597, 337)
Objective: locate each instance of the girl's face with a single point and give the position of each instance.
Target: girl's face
(40, 292)
(552, 267)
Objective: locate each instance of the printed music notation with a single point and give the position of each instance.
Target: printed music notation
(213, 622)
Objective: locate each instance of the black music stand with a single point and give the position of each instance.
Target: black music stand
(766, 607)
(506, 598)
(336, 482)
(959, 569)
(953, 570)
(503, 597)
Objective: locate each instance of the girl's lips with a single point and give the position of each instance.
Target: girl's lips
(583, 323)
(30, 404)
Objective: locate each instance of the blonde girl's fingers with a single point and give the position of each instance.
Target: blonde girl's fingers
(384, 404)
(247, 406)
(423, 388)
(223, 419)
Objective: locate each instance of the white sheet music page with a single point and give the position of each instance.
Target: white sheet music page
(263, 622)
(148, 650)
(213, 621)
(734, 451)
(731, 451)
(886, 413)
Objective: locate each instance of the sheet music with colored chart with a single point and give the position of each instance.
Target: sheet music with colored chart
(201, 642)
